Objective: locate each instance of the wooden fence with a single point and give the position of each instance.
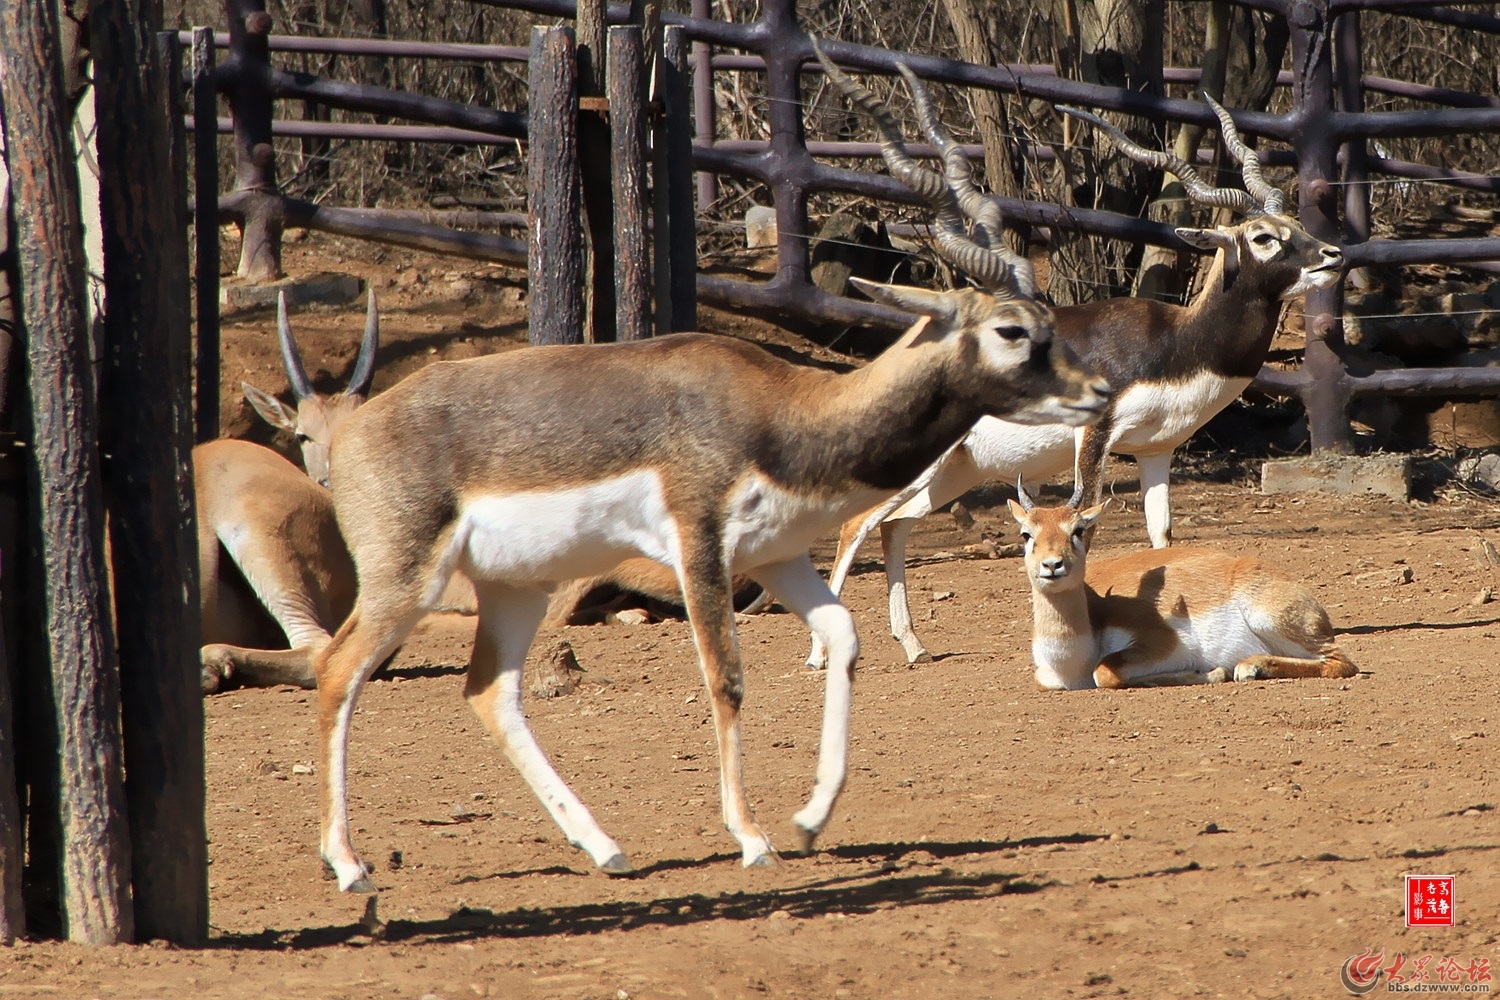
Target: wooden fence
(1325, 128)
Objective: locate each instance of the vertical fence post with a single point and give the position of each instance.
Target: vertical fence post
(675, 226)
(1348, 40)
(206, 230)
(705, 113)
(1326, 394)
(153, 522)
(594, 163)
(65, 479)
(12, 569)
(555, 247)
(789, 141)
(627, 103)
(255, 155)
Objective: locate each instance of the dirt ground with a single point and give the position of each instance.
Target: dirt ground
(994, 841)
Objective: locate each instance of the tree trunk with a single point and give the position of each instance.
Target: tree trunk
(65, 478)
(1001, 155)
(1114, 43)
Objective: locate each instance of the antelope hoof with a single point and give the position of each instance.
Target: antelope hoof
(1250, 672)
(355, 878)
(922, 657)
(805, 839)
(770, 859)
(1218, 675)
(218, 668)
(360, 885)
(617, 865)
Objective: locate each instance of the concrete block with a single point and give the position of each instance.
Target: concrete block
(1386, 475)
(325, 288)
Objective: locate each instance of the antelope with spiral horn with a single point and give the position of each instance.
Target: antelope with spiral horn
(1171, 367)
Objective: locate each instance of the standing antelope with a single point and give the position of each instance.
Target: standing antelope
(317, 416)
(704, 453)
(1171, 367)
(291, 570)
(1162, 616)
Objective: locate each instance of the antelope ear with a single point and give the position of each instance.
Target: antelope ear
(918, 301)
(272, 410)
(1017, 511)
(1089, 518)
(1207, 240)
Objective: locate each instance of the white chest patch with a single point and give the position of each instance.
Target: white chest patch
(562, 534)
(768, 524)
(1158, 416)
(1006, 450)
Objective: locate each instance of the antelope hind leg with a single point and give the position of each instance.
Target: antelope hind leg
(226, 666)
(802, 590)
(508, 620)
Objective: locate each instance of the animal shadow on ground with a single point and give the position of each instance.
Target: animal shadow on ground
(891, 884)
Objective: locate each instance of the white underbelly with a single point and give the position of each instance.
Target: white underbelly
(1207, 639)
(550, 535)
(1158, 416)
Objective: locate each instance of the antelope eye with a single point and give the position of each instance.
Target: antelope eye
(1011, 332)
(1026, 536)
(302, 438)
(1263, 239)
(1079, 531)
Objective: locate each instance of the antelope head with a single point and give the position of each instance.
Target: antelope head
(1268, 248)
(1057, 540)
(968, 224)
(317, 416)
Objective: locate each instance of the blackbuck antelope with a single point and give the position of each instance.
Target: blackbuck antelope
(288, 570)
(1162, 616)
(704, 453)
(1171, 367)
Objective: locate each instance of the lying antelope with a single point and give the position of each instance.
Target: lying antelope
(1172, 367)
(270, 560)
(704, 453)
(287, 568)
(1162, 616)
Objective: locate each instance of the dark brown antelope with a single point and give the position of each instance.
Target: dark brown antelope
(704, 453)
(1162, 616)
(1171, 367)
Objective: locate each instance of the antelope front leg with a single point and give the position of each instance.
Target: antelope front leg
(1155, 471)
(342, 668)
(803, 592)
(508, 620)
(706, 592)
(1090, 452)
